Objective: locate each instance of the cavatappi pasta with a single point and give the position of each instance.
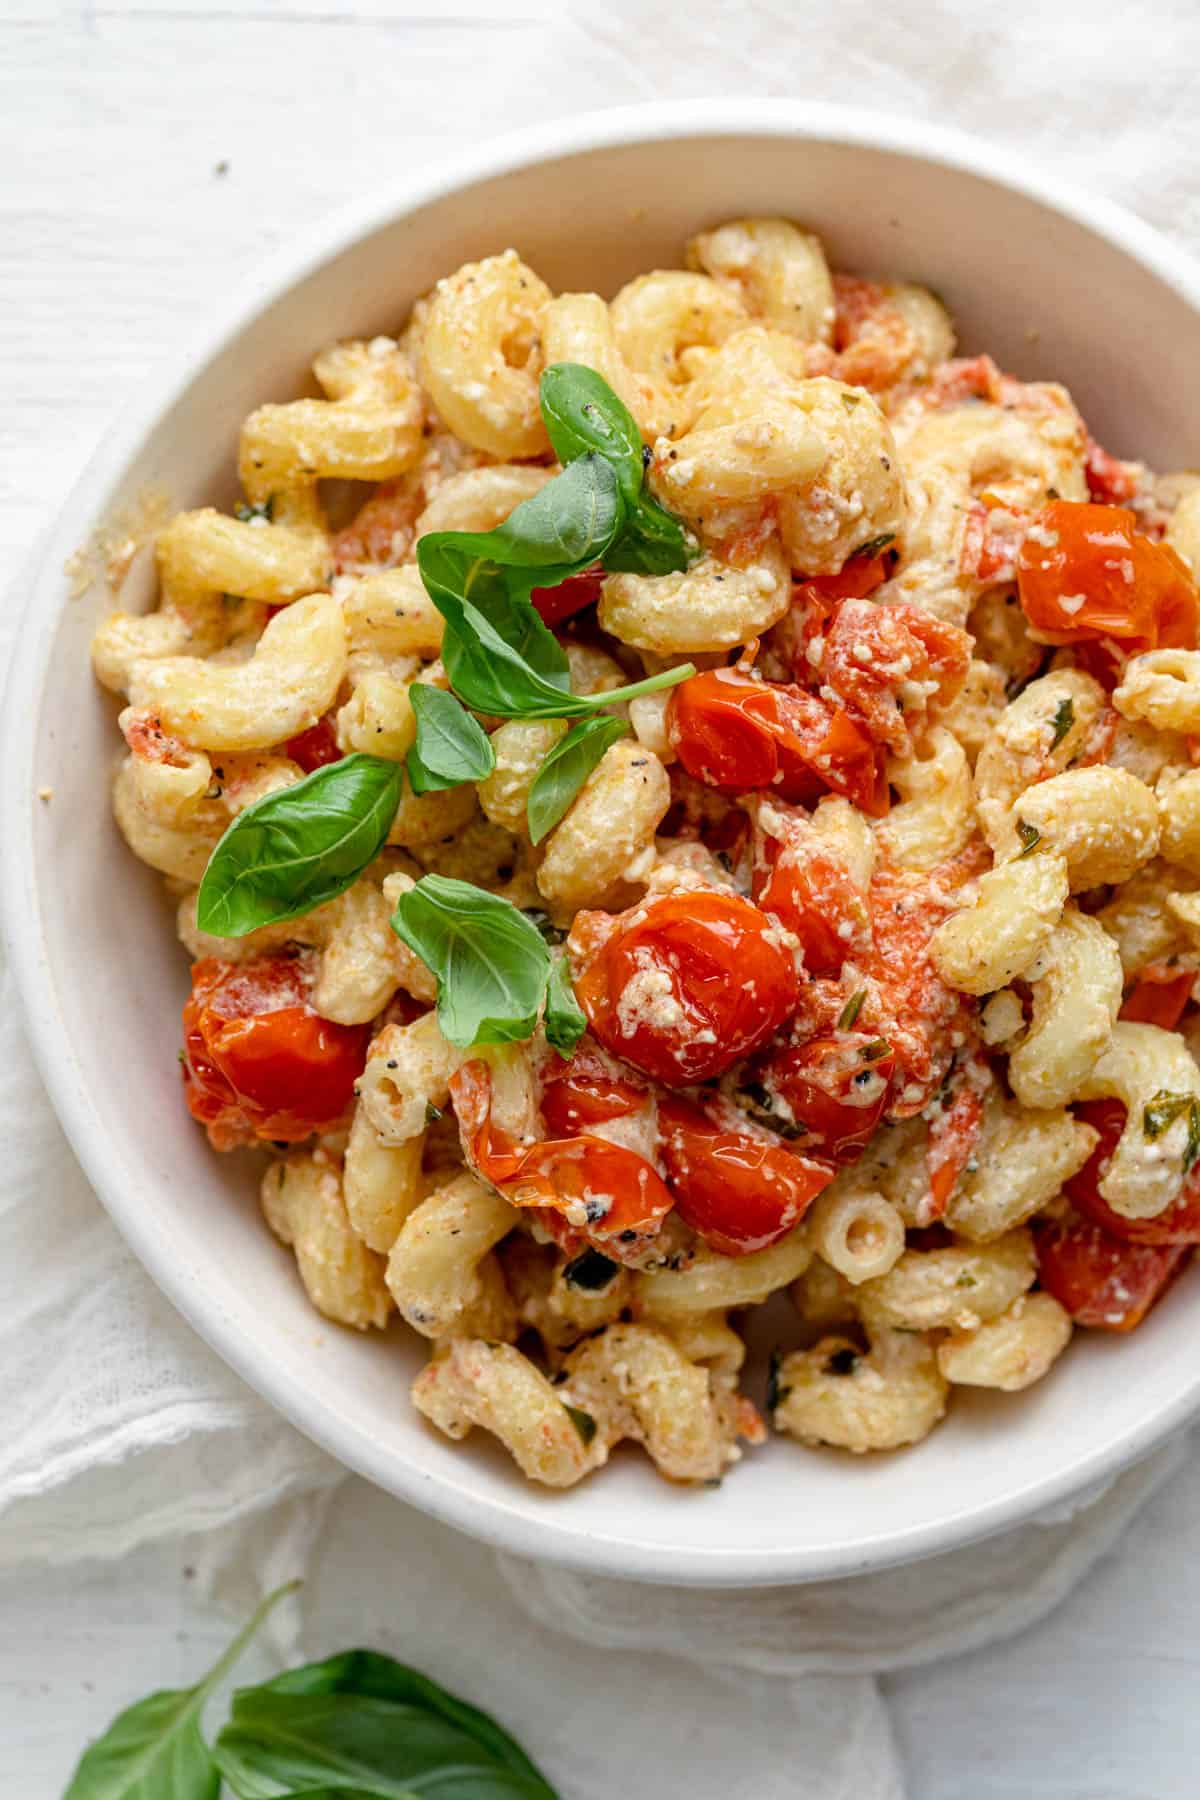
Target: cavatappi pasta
(867, 942)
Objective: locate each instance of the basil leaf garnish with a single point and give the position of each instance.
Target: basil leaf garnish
(451, 746)
(491, 962)
(564, 1019)
(566, 768)
(582, 414)
(293, 850)
(653, 542)
(155, 1747)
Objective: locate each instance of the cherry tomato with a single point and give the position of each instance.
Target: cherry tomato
(584, 1091)
(856, 578)
(258, 1061)
(803, 884)
(313, 748)
(1159, 996)
(554, 604)
(738, 1191)
(1109, 481)
(835, 1088)
(953, 1134)
(1179, 1224)
(907, 1001)
(608, 1195)
(1101, 1279)
(875, 654)
(991, 542)
(683, 986)
(1085, 572)
(382, 529)
(739, 734)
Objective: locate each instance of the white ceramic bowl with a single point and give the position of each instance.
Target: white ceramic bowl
(1052, 285)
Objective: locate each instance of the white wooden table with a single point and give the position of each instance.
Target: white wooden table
(152, 150)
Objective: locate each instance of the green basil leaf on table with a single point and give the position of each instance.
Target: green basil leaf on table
(294, 849)
(566, 768)
(154, 1749)
(491, 962)
(451, 746)
(564, 1019)
(380, 1677)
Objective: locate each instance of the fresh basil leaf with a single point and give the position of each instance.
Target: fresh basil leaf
(567, 524)
(294, 849)
(280, 1743)
(566, 768)
(154, 1750)
(564, 1021)
(1064, 718)
(451, 746)
(380, 1677)
(491, 962)
(582, 414)
(652, 542)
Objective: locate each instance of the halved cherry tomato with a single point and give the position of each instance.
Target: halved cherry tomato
(1179, 1224)
(611, 1196)
(1159, 996)
(835, 1088)
(801, 882)
(313, 748)
(683, 986)
(738, 1191)
(874, 653)
(1109, 481)
(1101, 1279)
(584, 1091)
(258, 1062)
(1086, 572)
(554, 604)
(953, 1134)
(738, 733)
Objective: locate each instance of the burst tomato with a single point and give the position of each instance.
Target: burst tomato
(603, 1193)
(1179, 1224)
(1159, 997)
(555, 604)
(739, 734)
(907, 1001)
(382, 529)
(1102, 1280)
(835, 1089)
(1109, 481)
(683, 986)
(1085, 572)
(738, 1191)
(875, 654)
(258, 1062)
(953, 1134)
(584, 1091)
(800, 881)
(313, 748)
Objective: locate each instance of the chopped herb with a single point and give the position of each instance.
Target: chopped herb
(583, 1422)
(878, 1048)
(590, 1271)
(432, 1113)
(842, 1362)
(1064, 718)
(248, 514)
(966, 1280)
(776, 1392)
(877, 545)
(850, 401)
(1030, 838)
(851, 1010)
(1160, 1114)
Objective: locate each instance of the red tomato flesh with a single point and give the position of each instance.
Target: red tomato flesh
(555, 604)
(1159, 997)
(1102, 1280)
(835, 1088)
(740, 1192)
(875, 654)
(313, 748)
(1179, 1224)
(1086, 573)
(259, 1063)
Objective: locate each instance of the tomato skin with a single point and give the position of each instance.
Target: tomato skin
(901, 645)
(1102, 1280)
(741, 1193)
(258, 1062)
(1138, 592)
(313, 748)
(556, 604)
(802, 883)
(706, 962)
(820, 1082)
(1159, 998)
(1179, 1224)
(1109, 481)
(564, 1176)
(736, 733)
(584, 1091)
(953, 1135)
(857, 578)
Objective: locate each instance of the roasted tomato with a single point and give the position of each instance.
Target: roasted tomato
(739, 1191)
(258, 1062)
(1086, 572)
(683, 986)
(834, 1089)
(555, 604)
(313, 748)
(1102, 1280)
(608, 1195)
(907, 1001)
(1109, 481)
(800, 881)
(856, 578)
(382, 529)
(585, 1091)
(1179, 1224)
(953, 1134)
(1159, 996)
(737, 733)
(883, 661)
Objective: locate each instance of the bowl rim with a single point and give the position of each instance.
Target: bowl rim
(492, 1518)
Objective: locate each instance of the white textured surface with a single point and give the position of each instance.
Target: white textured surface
(116, 231)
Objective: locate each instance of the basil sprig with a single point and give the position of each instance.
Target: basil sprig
(295, 849)
(358, 1724)
(564, 1019)
(565, 769)
(451, 746)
